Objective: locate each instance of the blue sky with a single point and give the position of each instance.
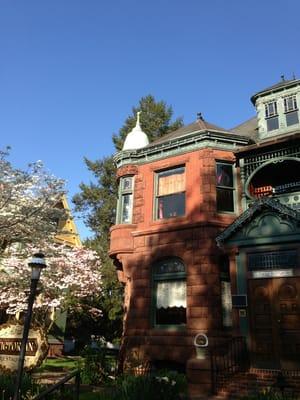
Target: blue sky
(71, 70)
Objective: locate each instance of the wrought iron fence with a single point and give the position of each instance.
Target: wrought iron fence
(228, 359)
(60, 387)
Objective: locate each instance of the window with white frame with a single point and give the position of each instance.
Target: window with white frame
(291, 110)
(125, 201)
(170, 193)
(169, 286)
(271, 115)
(224, 187)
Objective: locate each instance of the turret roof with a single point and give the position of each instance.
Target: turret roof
(136, 138)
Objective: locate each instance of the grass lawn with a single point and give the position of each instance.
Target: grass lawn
(60, 364)
(67, 365)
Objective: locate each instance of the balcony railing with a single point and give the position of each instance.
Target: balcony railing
(287, 187)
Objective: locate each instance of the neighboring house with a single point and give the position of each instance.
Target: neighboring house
(67, 231)
(67, 234)
(207, 239)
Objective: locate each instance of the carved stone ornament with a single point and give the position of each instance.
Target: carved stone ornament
(10, 345)
(127, 170)
(257, 206)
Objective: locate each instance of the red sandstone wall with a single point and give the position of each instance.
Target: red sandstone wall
(191, 238)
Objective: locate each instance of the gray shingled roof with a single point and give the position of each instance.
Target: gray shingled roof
(274, 88)
(198, 126)
(248, 128)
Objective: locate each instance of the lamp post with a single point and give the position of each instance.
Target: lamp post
(37, 263)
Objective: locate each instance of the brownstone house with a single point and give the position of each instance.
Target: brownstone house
(207, 241)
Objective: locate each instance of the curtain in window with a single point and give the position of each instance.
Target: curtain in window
(226, 303)
(171, 294)
(171, 184)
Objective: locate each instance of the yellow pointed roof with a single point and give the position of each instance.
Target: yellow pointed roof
(67, 232)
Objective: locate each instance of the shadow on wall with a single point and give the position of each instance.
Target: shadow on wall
(191, 241)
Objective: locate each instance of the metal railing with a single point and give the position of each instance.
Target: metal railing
(60, 386)
(228, 359)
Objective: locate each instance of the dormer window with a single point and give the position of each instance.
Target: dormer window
(291, 110)
(271, 115)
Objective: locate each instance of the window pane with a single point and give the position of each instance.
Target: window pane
(126, 208)
(127, 183)
(170, 265)
(172, 205)
(272, 124)
(171, 316)
(292, 118)
(225, 200)
(290, 103)
(171, 181)
(171, 294)
(224, 175)
(271, 109)
(171, 302)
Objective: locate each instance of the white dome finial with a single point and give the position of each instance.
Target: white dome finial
(136, 139)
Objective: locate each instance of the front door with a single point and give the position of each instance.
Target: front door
(275, 322)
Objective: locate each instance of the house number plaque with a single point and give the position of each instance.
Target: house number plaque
(273, 274)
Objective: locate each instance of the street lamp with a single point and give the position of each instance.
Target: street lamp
(37, 263)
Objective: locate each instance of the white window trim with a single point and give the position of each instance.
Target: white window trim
(121, 194)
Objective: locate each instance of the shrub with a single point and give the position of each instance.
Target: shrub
(97, 368)
(7, 386)
(167, 386)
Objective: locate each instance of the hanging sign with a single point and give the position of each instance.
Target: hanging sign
(10, 346)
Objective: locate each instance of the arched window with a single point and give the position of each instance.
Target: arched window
(169, 292)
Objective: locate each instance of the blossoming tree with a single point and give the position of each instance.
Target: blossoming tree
(71, 275)
(29, 218)
(27, 203)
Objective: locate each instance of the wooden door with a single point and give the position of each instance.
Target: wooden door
(287, 313)
(274, 307)
(263, 339)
